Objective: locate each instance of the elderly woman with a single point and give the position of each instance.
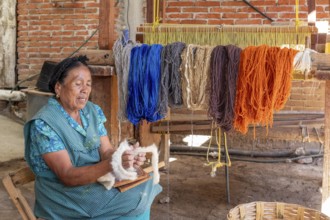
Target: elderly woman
(67, 148)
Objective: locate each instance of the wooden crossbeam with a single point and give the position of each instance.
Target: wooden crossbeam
(98, 57)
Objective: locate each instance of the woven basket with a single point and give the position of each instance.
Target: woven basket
(274, 211)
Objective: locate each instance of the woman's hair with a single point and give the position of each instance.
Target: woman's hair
(62, 69)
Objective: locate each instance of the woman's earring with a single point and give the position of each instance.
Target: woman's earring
(57, 96)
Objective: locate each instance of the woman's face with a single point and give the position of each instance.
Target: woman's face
(75, 90)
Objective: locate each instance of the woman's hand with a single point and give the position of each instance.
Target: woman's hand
(129, 159)
(140, 158)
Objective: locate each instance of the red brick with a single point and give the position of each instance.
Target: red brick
(182, 15)
(223, 10)
(194, 21)
(195, 9)
(63, 22)
(236, 15)
(92, 5)
(287, 15)
(232, 3)
(249, 21)
(208, 16)
(86, 11)
(181, 4)
(208, 4)
(222, 21)
(286, 2)
(282, 8)
(172, 10)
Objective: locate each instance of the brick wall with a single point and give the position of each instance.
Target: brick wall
(235, 12)
(49, 31)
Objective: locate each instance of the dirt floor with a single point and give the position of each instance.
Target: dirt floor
(194, 194)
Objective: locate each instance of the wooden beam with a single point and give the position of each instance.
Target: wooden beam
(320, 61)
(98, 57)
(164, 146)
(22, 176)
(150, 11)
(101, 95)
(102, 70)
(311, 12)
(322, 74)
(17, 197)
(145, 136)
(107, 24)
(104, 24)
(106, 40)
(114, 103)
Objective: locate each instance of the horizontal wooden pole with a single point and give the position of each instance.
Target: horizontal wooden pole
(12, 95)
(280, 120)
(102, 70)
(320, 61)
(98, 57)
(322, 74)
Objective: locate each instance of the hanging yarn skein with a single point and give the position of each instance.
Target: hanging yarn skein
(171, 91)
(263, 85)
(303, 61)
(144, 84)
(223, 77)
(122, 61)
(195, 70)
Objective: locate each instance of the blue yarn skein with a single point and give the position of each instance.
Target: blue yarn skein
(144, 83)
(134, 111)
(152, 84)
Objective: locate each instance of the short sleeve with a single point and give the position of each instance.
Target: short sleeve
(101, 119)
(44, 138)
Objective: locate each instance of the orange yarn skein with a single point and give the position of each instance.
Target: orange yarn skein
(263, 85)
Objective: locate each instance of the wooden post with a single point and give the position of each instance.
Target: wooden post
(326, 157)
(106, 24)
(325, 75)
(311, 12)
(150, 11)
(165, 149)
(106, 40)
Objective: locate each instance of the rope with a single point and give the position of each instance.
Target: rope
(144, 83)
(195, 68)
(224, 72)
(156, 13)
(297, 15)
(170, 91)
(217, 164)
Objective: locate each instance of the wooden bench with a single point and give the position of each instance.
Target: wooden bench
(12, 182)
